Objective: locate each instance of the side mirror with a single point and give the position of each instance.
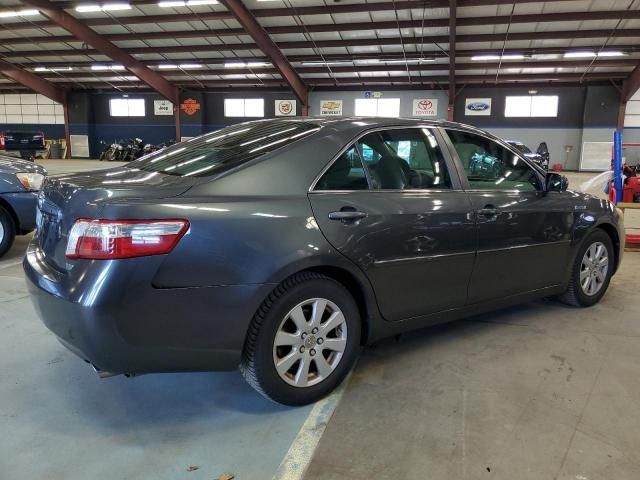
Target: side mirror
(554, 182)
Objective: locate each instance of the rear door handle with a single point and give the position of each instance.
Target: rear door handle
(488, 211)
(347, 215)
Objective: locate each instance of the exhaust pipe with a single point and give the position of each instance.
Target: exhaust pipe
(103, 373)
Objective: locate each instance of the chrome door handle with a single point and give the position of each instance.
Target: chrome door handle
(347, 215)
(488, 211)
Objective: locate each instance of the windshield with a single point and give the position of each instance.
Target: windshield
(224, 149)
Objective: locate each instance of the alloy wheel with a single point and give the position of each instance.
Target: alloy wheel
(594, 268)
(310, 342)
(1, 232)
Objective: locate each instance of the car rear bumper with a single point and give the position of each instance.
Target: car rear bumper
(141, 329)
(24, 204)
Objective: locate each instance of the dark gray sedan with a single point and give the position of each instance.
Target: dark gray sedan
(282, 246)
(20, 181)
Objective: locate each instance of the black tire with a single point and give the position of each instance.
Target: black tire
(575, 295)
(258, 365)
(7, 232)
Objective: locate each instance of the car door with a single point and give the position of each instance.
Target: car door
(402, 217)
(524, 233)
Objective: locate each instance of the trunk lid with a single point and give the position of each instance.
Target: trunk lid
(66, 198)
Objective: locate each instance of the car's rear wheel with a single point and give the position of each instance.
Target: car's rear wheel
(592, 271)
(303, 340)
(7, 231)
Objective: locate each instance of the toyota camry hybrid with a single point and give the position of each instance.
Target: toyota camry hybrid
(282, 246)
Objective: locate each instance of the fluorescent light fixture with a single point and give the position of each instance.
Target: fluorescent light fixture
(103, 68)
(321, 63)
(484, 58)
(109, 7)
(612, 53)
(53, 69)
(410, 60)
(185, 3)
(245, 64)
(580, 54)
(106, 7)
(88, 8)
(18, 13)
(173, 66)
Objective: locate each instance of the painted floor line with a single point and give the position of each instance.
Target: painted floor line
(297, 460)
(9, 265)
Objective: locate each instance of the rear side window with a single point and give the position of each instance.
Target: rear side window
(224, 149)
(346, 173)
(405, 159)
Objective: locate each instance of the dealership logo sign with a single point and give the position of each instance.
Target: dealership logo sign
(331, 108)
(425, 107)
(190, 106)
(477, 106)
(162, 107)
(285, 108)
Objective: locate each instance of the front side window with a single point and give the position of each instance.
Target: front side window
(346, 173)
(403, 159)
(489, 166)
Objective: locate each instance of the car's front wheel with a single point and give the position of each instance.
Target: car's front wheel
(303, 340)
(7, 231)
(592, 271)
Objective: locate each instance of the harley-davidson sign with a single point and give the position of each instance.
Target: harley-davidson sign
(190, 106)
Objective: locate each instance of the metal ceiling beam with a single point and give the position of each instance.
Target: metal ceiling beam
(85, 34)
(441, 79)
(269, 12)
(400, 67)
(432, 81)
(426, 23)
(438, 54)
(426, 40)
(453, 13)
(269, 48)
(631, 85)
(33, 82)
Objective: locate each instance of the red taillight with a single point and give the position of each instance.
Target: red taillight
(111, 239)
(2, 144)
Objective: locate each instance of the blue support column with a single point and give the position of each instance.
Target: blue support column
(617, 164)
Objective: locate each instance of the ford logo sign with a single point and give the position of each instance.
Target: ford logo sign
(478, 107)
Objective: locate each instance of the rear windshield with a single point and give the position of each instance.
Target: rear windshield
(224, 149)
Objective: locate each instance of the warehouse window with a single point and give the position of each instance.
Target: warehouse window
(377, 107)
(244, 107)
(531, 106)
(126, 107)
(29, 108)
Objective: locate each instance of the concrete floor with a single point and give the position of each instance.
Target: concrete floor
(540, 391)
(59, 421)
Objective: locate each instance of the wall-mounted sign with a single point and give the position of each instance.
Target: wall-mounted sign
(285, 108)
(477, 107)
(190, 106)
(369, 94)
(330, 108)
(162, 107)
(425, 107)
